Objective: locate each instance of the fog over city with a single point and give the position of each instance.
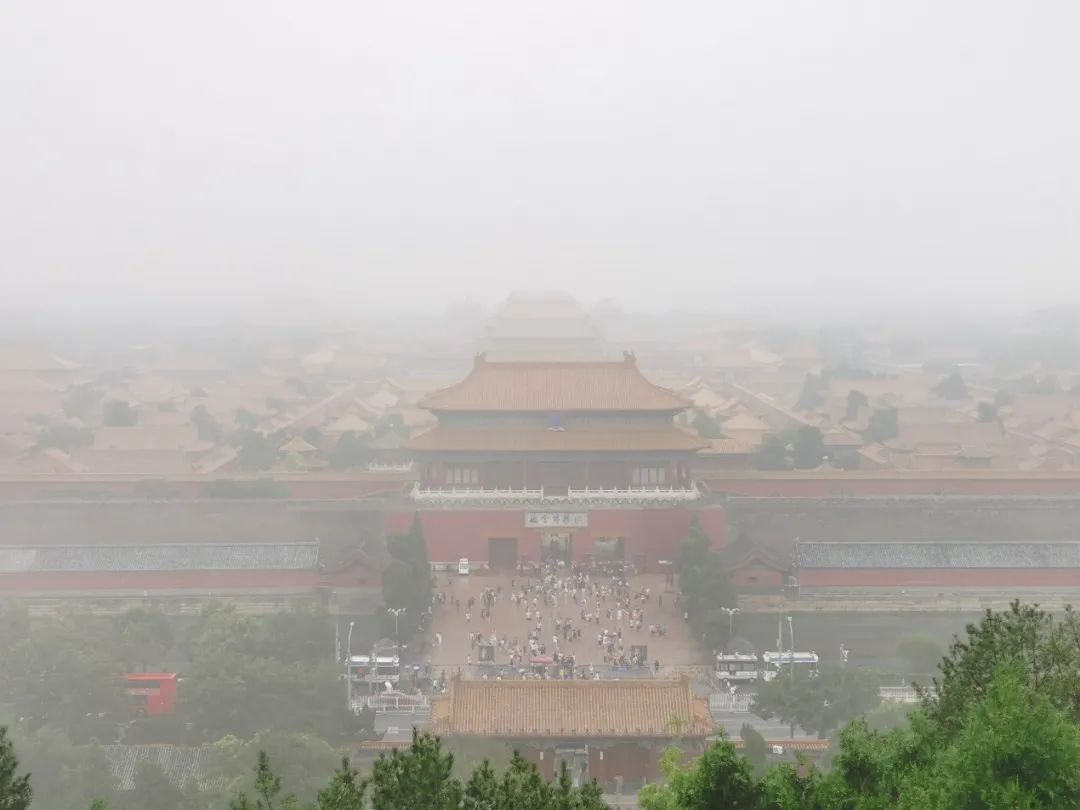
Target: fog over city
(364, 156)
(475, 405)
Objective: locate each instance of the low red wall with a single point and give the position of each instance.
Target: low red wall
(198, 581)
(757, 577)
(935, 577)
(826, 486)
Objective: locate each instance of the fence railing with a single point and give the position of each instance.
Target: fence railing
(898, 694)
(740, 702)
(735, 704)
(614, 496)
(416, 704)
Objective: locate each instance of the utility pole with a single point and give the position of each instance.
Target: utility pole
(348, 666)
(791, 636)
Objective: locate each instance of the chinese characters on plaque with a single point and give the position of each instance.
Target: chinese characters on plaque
(543, 520)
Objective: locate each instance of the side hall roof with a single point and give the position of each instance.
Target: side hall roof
(816, 555)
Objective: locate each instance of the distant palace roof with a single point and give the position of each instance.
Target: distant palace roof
(554, 387)
(533, 439)
(571, 709)
(813, 554)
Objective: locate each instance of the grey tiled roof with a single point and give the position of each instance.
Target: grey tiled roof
(161, 557)
(814, 554)
(181, 763)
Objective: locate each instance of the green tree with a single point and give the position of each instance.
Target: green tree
(808, 449)
(705, 589)
(755, 749)
(921, 654)
(14, 622)
(64, 436)
(351, 451)
(392, 423)
(49, 753)
(246, 419)
(153, 790)
(407, 580)
(810, 397)
(255, 451)
(773, 453)
(95, 777)
(1049, 649)
(267, 788)
(313, 436)
(79, 400)
(856, 401)
(144, 637)
(207, 426)
(952, 387)
(118, 413)
(719, 780)
(706, 426)
(422, 777)
(1014, 749)
(817, 703)
(247, 670)
(15, 792)
(65, 673)
(987, 412)
(346, 791)
(418, 777)
(884, 424)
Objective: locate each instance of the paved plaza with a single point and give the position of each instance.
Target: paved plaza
(454, 621)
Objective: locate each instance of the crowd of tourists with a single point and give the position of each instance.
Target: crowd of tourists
(557, 609)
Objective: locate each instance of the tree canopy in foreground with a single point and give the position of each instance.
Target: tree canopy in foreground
(1000, 731)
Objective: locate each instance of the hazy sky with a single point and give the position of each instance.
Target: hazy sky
(373, 154)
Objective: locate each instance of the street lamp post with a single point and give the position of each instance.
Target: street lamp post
(397, 634)
(791, 636)
(397, 612)
(348, 665)
(730, 616)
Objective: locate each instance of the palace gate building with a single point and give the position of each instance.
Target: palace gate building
(557, 460)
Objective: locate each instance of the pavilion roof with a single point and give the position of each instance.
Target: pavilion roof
(570, 439)
(554, 387)
(572, 709)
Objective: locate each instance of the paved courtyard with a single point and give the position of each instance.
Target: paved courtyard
(508, 620)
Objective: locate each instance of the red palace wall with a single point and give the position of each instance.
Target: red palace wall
(940, 577)
(652, 533)
(757, 577)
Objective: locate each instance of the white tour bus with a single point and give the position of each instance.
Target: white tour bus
(737, 667)
(776, 662)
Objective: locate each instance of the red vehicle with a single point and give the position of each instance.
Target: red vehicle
(153, 693)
